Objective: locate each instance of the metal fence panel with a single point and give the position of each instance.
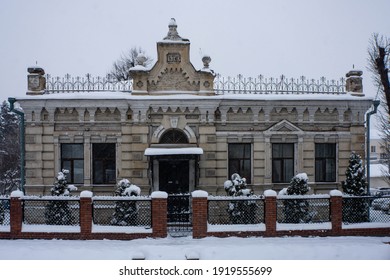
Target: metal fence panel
(5, 218)
(51, 212)
(122, 212)
(366, 209)
(303, 210)
(235, 211)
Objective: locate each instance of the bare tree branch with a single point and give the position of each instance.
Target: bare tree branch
(121, 67)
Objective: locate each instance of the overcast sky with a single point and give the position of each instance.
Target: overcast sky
(294, 38)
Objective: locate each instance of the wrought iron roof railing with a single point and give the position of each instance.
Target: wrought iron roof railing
(283, 85)
(87, 83)
(222, 85)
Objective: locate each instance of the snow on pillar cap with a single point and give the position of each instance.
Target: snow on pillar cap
(270, 193)
(199, 193)
(86, 194)
(17, 194)
(335, 193)
(159, 194)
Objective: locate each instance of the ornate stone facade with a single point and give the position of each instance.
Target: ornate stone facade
(174, 133)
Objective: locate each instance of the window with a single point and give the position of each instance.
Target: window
(72, 159)
(373, 149)
(282, 162)
(240, 160)
(173, 136)
(325, 162)
(104, 170)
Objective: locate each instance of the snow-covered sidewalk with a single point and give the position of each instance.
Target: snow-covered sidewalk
(211, 248)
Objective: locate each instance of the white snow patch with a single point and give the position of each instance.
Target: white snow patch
(86, 194)
(365, 225)
(335, 193)
(17, 194)
(159, 194)
(236, 227)
(211, 248)
(49, 228)
(120, 229)
(199, 193)
(270, 193)
(132, 189)
(5, 228)
(314, 226)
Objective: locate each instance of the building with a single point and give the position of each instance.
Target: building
(177, 128)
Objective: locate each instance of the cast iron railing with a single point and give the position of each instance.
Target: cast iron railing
(222, 85)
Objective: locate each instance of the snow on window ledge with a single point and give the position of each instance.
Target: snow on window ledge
(365, 225)
(5, 228)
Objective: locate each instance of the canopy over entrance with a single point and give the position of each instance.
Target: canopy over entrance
(173, 151)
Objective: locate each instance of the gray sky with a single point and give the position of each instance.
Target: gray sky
(249, 37)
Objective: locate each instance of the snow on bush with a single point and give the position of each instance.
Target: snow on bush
(240, 212)
(58, 212)
(126, 212)
(297, 210)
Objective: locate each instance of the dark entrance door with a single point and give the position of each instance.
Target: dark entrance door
(174, 176)
(174, 179)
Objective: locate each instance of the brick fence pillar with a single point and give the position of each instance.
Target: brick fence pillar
(336, 211)
(16, 213)
(159, 214)
(270, 213)
(86, 214)
(199, 214)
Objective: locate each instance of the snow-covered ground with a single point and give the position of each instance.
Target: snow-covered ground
(211, 248)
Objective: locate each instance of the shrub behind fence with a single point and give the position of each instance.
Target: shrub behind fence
(104, 211)
(307, 209)
(240, 210)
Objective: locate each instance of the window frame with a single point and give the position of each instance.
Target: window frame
(282, 161)
(325, 161)
(72, 160)
(241, 162)
(106, 161)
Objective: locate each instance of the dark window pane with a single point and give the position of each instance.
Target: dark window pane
(240, 160)
(325, 162)
(282, 162)
(104, 164)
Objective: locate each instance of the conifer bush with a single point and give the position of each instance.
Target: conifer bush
(58, 212)
(297, 210)
(126, 212)
(240, 212)
(355, 210)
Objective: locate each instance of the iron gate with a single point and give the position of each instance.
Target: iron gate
(179, 215)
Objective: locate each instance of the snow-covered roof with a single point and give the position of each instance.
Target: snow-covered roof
(377, 170)
(127, 95)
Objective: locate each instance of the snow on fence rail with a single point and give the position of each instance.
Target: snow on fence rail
(222, 85)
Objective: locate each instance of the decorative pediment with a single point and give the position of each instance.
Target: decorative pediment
(173, 72)
(283, 126)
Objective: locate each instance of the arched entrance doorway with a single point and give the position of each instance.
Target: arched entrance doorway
(173, 164)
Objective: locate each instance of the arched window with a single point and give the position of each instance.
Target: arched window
(174, 136)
